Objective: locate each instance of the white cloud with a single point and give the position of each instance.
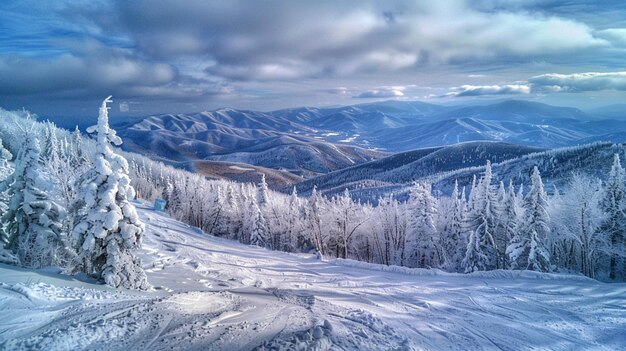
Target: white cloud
(479, 90)
(382, 92)
(579, 82)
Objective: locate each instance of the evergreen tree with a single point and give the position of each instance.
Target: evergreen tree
(109, 231)
(508, 223)
(33, 220)
(614, 226)
(453, 240)
(481, 253)
(257, 226)
(528, 247)
(423, 240)
(263, 199)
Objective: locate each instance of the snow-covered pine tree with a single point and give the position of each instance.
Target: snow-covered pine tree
(508, 212)
(109, 231)
(6, 256)
(452, 238)
(33, 220)
(614, 226)
(528, 247)
(5, 167)
(481, 222)
(423, 246)
(257, 225)
(263, 199)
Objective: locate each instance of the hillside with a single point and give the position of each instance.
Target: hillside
(215, 294)
(242, 137)
(311, 141)
(556, 166)
(408, 166)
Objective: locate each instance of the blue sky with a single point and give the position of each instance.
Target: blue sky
(61, 57)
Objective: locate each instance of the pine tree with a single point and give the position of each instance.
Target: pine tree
(33, 219)
(528, 247)
(257, 226)
(109, 231)
(614, 226)
(423, 240)
(481, 253)
(453, 239)
(263, 193)
(5, 157)
(6, 256)
(508, 222)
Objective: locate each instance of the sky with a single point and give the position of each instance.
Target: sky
(63, 57)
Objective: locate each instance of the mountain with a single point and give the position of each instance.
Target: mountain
(615, 111)
(310, 141)
(515, 111)
(556, 167)
(240, 136)
(405, 167)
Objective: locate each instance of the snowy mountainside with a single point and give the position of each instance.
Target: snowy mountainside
(556, 166)
(339, 137)
(405, 167)
(215, 294)
(240, 136)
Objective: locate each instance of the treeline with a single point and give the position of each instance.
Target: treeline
(486, 225)
(483, 225)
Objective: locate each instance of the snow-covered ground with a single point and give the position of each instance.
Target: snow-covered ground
(215, 294)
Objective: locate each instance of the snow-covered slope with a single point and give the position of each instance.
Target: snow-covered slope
(407, 166)
(240, 136)
(215, 294)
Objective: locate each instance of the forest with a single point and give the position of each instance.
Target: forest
(66, 200)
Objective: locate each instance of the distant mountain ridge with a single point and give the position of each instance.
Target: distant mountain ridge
(310, 141)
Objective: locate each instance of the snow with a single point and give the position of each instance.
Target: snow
(215, 294)
(238, 168)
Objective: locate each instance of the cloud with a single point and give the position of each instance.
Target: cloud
(479, 90)
(616, 36)
(274, 40)
(372, 94)
(20, 75)
(204, 52)
(579, 82)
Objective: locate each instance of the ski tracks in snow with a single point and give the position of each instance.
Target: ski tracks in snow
(216, 294)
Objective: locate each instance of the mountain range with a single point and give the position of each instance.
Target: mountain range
(307, 142)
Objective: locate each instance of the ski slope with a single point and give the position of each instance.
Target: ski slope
(215, 294)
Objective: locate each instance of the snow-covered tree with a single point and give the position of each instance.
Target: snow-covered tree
(422, 247)
(452, 236)
(528, 247)
(109, 231)
(263, 199)
(314, 222)
(347, 218)
(481, 253)
(614, 226)
(257, 226)
(33, 219)
(576, 217)
(5, 167)
(508, 219)
(390, 232)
